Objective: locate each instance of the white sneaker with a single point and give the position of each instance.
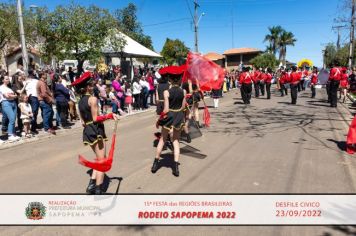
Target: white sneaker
(1, 141)
(23, 134)
(13, 138)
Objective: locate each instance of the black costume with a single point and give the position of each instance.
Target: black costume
(160, 103)
(93, 131)
(175, 116)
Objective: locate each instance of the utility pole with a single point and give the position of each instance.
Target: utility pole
(22, 36)
(196, 5)
(338, 29)
(232, 27)
(352, 32)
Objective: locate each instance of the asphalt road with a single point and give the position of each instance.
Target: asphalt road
(267, 147)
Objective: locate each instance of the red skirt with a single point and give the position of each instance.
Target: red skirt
(128, 100)
(343, 83)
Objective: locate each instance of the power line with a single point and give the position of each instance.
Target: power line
(167, 22)
(190, 11)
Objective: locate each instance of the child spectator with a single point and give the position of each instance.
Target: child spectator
(114, 101)
(128, 97)
(26, 114)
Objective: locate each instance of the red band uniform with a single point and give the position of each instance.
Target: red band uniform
(246, 86)
(334, 82)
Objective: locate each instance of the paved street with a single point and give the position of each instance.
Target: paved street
(268, 147)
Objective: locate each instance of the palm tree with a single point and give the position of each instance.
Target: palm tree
(269, 49)
(286, 39)
(273, 37)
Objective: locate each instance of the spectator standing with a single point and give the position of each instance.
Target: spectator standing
(144, 92)
(72, 105)
(30, 87)
(17, 87)
(119, 90)
(128, 97)
(136, 92)
(151, 92)
(4, 120)
(46, 100)
(71, 74)
(114, 101)
(9, 107)
(61, 95)
(102, 95)
(26, 114)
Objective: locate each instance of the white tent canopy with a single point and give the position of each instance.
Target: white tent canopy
(132, 49)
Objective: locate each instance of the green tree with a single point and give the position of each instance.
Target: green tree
(273, 38)
(174, 51)
(265, 60)
(342, 56)
(333, 56)
(77, 32)
(285, 39)
(129, 24)
(329, 54)
(8, 24)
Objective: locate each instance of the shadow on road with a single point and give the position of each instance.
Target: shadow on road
(347, 230)
(340, 144)
(192, 152)
(167, 161)
(107, 181)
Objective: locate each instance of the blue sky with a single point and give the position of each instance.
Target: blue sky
(309, 20)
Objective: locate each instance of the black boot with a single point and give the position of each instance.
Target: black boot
(200, 126)
(155, 166)
(98, 190)
(176, 169)
(189, 139)
(91, 186)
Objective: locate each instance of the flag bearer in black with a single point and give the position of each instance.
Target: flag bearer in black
(173, 116)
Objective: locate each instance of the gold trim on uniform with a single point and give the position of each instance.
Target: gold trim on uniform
(180, 128)
(99, 137)
(176, 110)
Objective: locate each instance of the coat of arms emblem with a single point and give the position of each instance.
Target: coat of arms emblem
(35, 211)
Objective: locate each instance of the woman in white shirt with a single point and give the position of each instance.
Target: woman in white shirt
(9, 107)
(136, 92)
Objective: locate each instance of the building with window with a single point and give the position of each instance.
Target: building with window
(240, 56)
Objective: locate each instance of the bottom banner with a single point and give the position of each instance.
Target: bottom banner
(178, 210)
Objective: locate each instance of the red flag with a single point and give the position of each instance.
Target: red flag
(103, 165)
(351, 138)
(204, 72)
(206, 116)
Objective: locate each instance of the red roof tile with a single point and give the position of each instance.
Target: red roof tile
(241, 51)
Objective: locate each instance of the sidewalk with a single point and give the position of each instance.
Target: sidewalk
(43, 135)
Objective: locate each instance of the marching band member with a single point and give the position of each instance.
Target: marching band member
(256, 76)
(314, 81)
(334, 82)
(246, 85)
(94, 131)
(283, 79)
(172, 117)
(344, 83)
(294, 80)
(268, 82)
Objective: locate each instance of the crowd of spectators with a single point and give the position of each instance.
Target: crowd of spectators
(49, 93)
